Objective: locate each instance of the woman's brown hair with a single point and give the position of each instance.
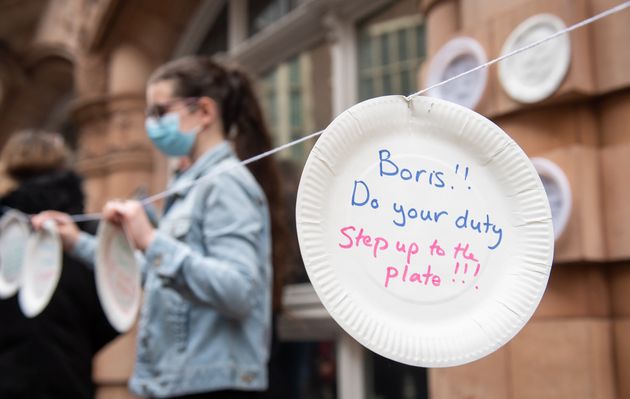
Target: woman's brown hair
(244, 125)
(30, 153)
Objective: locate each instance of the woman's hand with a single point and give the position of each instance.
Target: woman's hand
(131, 214)
(67, 229)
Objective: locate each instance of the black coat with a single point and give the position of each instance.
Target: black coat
(50, 355)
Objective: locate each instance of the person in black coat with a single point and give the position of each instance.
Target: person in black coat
(50, 355)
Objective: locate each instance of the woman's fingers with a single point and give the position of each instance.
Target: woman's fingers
(59, 218)
(138, 224)
(131, 213)
(115, 211)
(67, 229)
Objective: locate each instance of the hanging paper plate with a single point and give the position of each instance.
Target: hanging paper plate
(117, 276)
(457, 56)
(41, 271)
(424, 229)
(537, 73)
(15, 230)
(558, 191)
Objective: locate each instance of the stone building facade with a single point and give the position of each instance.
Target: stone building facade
(80, 67)
(576, 345)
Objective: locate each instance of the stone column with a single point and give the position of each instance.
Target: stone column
(343, 60)
(116, 159)
(133, 163)
(115, 156)
(91, 119)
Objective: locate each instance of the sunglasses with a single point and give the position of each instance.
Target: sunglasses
(159, 110)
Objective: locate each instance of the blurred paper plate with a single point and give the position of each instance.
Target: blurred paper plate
(14, 232)
(117, 276)
(41, 270)
(537, 73)
(463, 270)
(558, 192)
(457, 56)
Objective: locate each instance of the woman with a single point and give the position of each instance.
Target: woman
(205, 324)
(50, 355)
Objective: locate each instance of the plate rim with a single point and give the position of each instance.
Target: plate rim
(30, 306)
(122, 323)
(457, 46)
(523, 93)
(13, 216)
(547, 167)
(327, 302)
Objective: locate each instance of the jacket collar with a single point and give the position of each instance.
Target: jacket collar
(205, 164)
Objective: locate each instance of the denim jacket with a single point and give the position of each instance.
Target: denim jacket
(205, 321)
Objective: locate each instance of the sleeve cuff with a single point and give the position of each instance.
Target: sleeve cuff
(85, 249)
(165, 255)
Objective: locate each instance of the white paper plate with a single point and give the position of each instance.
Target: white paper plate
(41, 271)
(117, 276)
(449, 159)
(558, 192)
(537, 73)
(459, 55)
(14, 232)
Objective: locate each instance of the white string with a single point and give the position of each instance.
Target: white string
(178, 188)
(216, 172)
(585, 22)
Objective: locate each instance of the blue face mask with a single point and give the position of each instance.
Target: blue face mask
(167, 137)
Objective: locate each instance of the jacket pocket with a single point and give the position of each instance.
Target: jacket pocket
(177, 314)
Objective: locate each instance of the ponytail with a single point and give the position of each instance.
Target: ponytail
(245, 125)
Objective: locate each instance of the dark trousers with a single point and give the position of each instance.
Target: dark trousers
(222, 395)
